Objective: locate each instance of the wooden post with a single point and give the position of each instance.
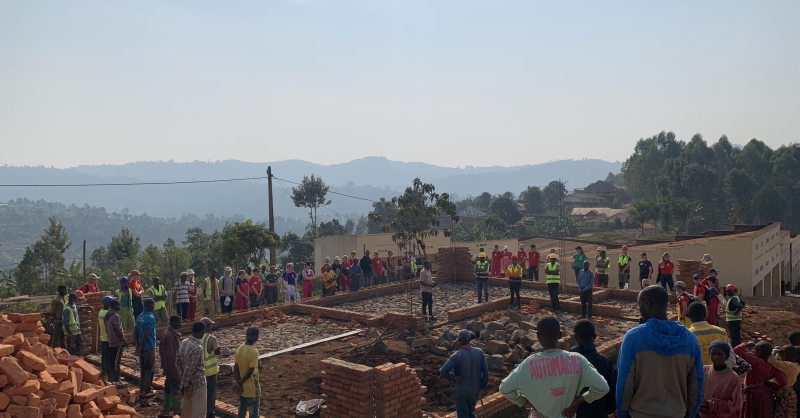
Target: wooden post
(272, 259)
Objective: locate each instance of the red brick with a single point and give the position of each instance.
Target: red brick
(106, 404)
(56, 414)
(11, 368)
(15, 340)
(87, 395)
(62, 399)
(74, 411)
(3, 380)
(30, 386)
(51, 359)
(32, 361)
(44, 338)
(67, 387)
(58, 371)
(17, 411)
(47, 406)
(4, 401)
(122, 409)
(33, 399)
(25, 326)
(20, 400)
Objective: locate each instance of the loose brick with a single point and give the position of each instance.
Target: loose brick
(32, 361)
(3, 380)
(107, 404)
(44, 338)
(6, 331)
(6, 349)
(17, 411)
(25, 326)
(92, 413)
(47, 406)
(4, 401)
(90, 372)
(62, 399)
(15, 340)
(58, 371)
(11, 368)
(86, 395)
(39, 350)
(56, 414)
(67, 387)
(20, 400)
(122, 409)
(74, 411)
(33, 399)
(30, 386)
(46, 381)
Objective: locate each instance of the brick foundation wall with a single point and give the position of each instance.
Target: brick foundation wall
(387, 391)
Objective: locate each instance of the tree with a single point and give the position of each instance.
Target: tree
(311, 195)
(642, 211)
(417, 215)
(483, 200)
(553, 193)
(331, 228)
(298, 249)
(246, 240)
(203, 248)
(533, 199)
(42, 266)
(151, 262)
(506, 209)
(385, 209)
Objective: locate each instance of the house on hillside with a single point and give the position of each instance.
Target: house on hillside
(583, 200)
(599, 217)
(465, 217)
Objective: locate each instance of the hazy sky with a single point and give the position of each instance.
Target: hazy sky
(445, 82)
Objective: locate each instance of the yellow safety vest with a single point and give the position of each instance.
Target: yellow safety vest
(729, 314)
(483, 270)
(552, 278)
(207, 288)
(623, 260)
(119, 294)
(102, 324)
(74, 327)
(158, 292)
(514, 272)
(210, 359)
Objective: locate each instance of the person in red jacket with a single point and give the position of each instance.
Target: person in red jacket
(761, 381)
(377, 268)
(533, 263)
(497, 257)
(506, 260)
(665, 270)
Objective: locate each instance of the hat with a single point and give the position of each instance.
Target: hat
(731, 287)
(92, 276)
(337, 258)
(579, 248)
(682, 285)
(553, 256)
(505, 247)
(228, 269)
(190, 271)
(696, 277)
(206, 320)
(721, 345)
(124, 279)
(482, 255)
(599, 248)
(79, 294)
(713, 271)
(464, 335)
(255, 270)
(643, 253)
(522, 246)
(107, 299)
(135, 273)
(514, 257)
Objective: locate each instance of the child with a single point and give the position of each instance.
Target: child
(289, 278)
(355, 275)
(759, 385)
(242, 290)
(308, 281)
(344, 275)
(786, 398)
(722, 389)
(255, 287)
(329, 281)
(683, 304)
(271, 286)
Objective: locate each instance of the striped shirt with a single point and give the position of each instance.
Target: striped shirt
(181, 292)
(191, 365)
(426, 281)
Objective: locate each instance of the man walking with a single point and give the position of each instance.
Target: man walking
(482, 277)
(159, 296)
(210, 352)
(192, 370)
(226, 291)
(211, 293)
(585, 336)
(553, 380)
(514, 275)
(553, 273)
(533, 263)
(56, 313)
(585, 283)
(146, 349)
(245, 374)
(660, 351)
(168, 352)
(467, 371)
(733, 314)
(624, 266)
(116, 339)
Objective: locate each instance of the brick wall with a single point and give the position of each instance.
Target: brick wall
(354, 391)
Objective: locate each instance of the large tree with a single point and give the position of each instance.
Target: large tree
(533, 199)
(553, 193)
(311, 195)
(506, 209)
(246, 240)
(42, 266)
(417, 216)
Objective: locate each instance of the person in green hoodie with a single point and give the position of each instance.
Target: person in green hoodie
(577, 261)
(552, 381)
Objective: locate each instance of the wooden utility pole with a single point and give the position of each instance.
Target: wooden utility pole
(272, 260)
(84, 261)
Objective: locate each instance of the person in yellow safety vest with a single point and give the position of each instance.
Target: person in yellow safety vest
(553, 273)
(159, 295)
(482, 276)
(733, 314)
(72, 325)
(602, 263)
(211, 293)
(105, 356)
(125, 297)
(210, 352)
(624, 264)
(514, 274)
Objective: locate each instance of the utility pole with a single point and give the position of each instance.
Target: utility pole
(84, 261)
(272, 260)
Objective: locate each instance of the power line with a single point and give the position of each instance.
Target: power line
(280, 183)
(340, 194)
(147, 183)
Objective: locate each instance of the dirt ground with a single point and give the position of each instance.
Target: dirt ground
(772, 317)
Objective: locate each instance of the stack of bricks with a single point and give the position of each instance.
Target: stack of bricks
(455, 263)
(398, 391)
(347, 389)
(40, 382)
(89, 321)
(688, 268)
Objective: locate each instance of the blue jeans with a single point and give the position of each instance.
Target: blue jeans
(465, 407)
(483, 285)
(355, 283)
(367, 279)
(249, 404)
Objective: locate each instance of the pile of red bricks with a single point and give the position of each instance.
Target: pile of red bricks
(353, 390)
(398, 391)
(89, 321)
(40, 382)
(455, 263)
(688, 268)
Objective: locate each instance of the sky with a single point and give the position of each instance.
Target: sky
(451, 83)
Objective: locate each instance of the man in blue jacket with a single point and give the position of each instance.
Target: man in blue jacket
(467, 371)
(660, 364)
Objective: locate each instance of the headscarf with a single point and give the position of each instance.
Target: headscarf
(722, 345)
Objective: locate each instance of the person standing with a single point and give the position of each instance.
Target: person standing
(192, 370)
(271, 286)
(289, 278)
(533, 263)
(125, 298)
(585, 336)
(552, 272)
(714, 296)
(624, 266)
(210, 295)
(665, 270)
(377, 268)
(722, 389)
(786, 398)
(506, 261)
(116, 339)
(521, 257)
(105, 360)
(602, 265)
(482, 277)
(91, 285)
(193, 295)
(391, 267)
(577, 261)
(56, 312)
(245, 372)
(254, 287)
(705, 332)
(242, 291)
(468, 372)
(344, 275)
(497, 261)
(159, 295)
(137, 289)
(210, 352)
(553, 391)
(426, 285)
(181, 289)
(308, 281)
(761, 381)
(71, 325)
(146, 349)
(514, 275)
(356, 275)
(662, 351)
(168, 353)
(227, 291)
(366, 268)
(683, 304)
(585, 283)
(645, 269)
(733, 314)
